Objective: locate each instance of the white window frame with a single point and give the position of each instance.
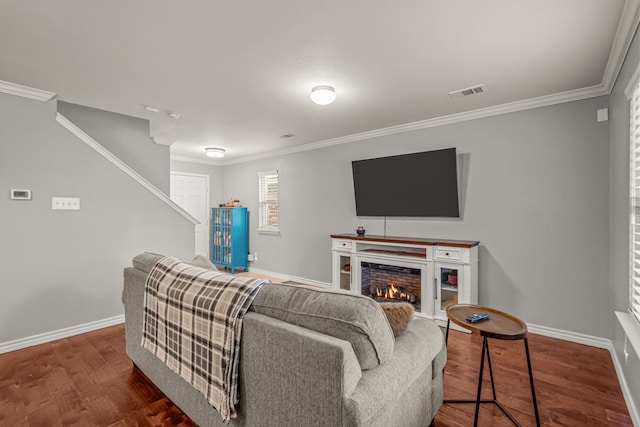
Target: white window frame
(630, 321)
(264, 205)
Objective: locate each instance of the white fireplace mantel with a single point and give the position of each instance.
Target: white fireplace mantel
(448, 268)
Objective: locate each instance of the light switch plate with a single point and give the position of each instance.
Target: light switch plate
(65, 203)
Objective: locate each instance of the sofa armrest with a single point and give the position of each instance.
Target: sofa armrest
(294, 376)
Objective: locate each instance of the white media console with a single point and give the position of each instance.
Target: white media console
(429, 273)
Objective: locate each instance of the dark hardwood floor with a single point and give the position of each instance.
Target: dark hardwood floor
(88, 380)
(576, 385)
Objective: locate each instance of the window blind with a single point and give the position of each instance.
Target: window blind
(268, 193)
(634, 250)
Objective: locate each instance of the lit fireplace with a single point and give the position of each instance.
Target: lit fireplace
(391, 283)
(393, 293)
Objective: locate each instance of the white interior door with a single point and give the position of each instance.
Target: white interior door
(191, 193)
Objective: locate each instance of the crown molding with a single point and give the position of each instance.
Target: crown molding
(627, 26)
(25, 91)
(189, 159)
(629, 21)
(511, 107)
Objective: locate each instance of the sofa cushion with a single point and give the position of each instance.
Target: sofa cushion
(146, 261)
(203, 262)
(353, 318)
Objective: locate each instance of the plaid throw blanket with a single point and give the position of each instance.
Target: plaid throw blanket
(192, 322)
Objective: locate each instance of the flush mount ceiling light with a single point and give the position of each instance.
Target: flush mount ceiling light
(323, 95)
(215, 152)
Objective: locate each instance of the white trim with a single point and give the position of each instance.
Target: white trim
(626, 392)
(25, 91)
(208, 203)
(542, 101)
(264, 201)
(633, 83)
(631, 329)
(59, 334)
(570, 336)
(122, 166)
(188, 159)
(624, 36)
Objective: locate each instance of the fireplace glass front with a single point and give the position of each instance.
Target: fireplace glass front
(391, 283)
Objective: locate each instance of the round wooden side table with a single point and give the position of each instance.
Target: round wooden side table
(501, 326)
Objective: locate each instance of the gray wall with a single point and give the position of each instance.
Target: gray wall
(619, 213)
(535, 193)
(64, 268)
(117, 133)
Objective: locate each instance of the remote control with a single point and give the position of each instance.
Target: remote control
(477, 317)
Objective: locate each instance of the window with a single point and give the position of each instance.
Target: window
(269, 210)
(634, 252)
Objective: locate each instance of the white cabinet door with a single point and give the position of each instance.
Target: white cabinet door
(342, 270)
(449, 282)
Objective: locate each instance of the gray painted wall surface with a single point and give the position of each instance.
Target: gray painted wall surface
(619, 213)
(64, 268)
(534, 191)
(126, 137)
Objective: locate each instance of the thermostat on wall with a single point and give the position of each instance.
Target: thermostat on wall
(20, 194)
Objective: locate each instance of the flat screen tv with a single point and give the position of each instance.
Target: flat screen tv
(421, 184)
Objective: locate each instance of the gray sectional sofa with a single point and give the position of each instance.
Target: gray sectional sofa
(309, 358)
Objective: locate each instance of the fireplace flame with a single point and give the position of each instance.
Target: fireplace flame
(392, 292)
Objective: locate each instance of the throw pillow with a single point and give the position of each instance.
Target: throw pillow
(203, 262)
(399, 314)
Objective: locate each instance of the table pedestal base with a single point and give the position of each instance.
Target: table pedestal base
(478, 400)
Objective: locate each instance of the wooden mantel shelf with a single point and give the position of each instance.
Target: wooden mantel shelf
(408, 240)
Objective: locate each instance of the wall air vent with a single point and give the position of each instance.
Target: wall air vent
(468, 91)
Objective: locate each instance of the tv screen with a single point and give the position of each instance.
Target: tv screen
(419, 185)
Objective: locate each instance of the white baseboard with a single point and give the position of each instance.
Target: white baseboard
(570, 336)
(600, 343)
(58, 334)
(628, 398)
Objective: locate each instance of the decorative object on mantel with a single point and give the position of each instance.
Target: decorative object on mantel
(231, 203)
(360, 230)
(399, 314)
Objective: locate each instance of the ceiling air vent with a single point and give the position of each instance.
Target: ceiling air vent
(287, 135)
(468, 91)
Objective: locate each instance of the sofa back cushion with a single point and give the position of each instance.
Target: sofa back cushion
(146, 261)
(353, 318)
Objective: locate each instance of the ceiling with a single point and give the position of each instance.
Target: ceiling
(239, 73)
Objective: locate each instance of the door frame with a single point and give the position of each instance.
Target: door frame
(208, 202)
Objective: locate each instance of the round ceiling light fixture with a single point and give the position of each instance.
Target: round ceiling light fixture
(323, 95)
(215, 152)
